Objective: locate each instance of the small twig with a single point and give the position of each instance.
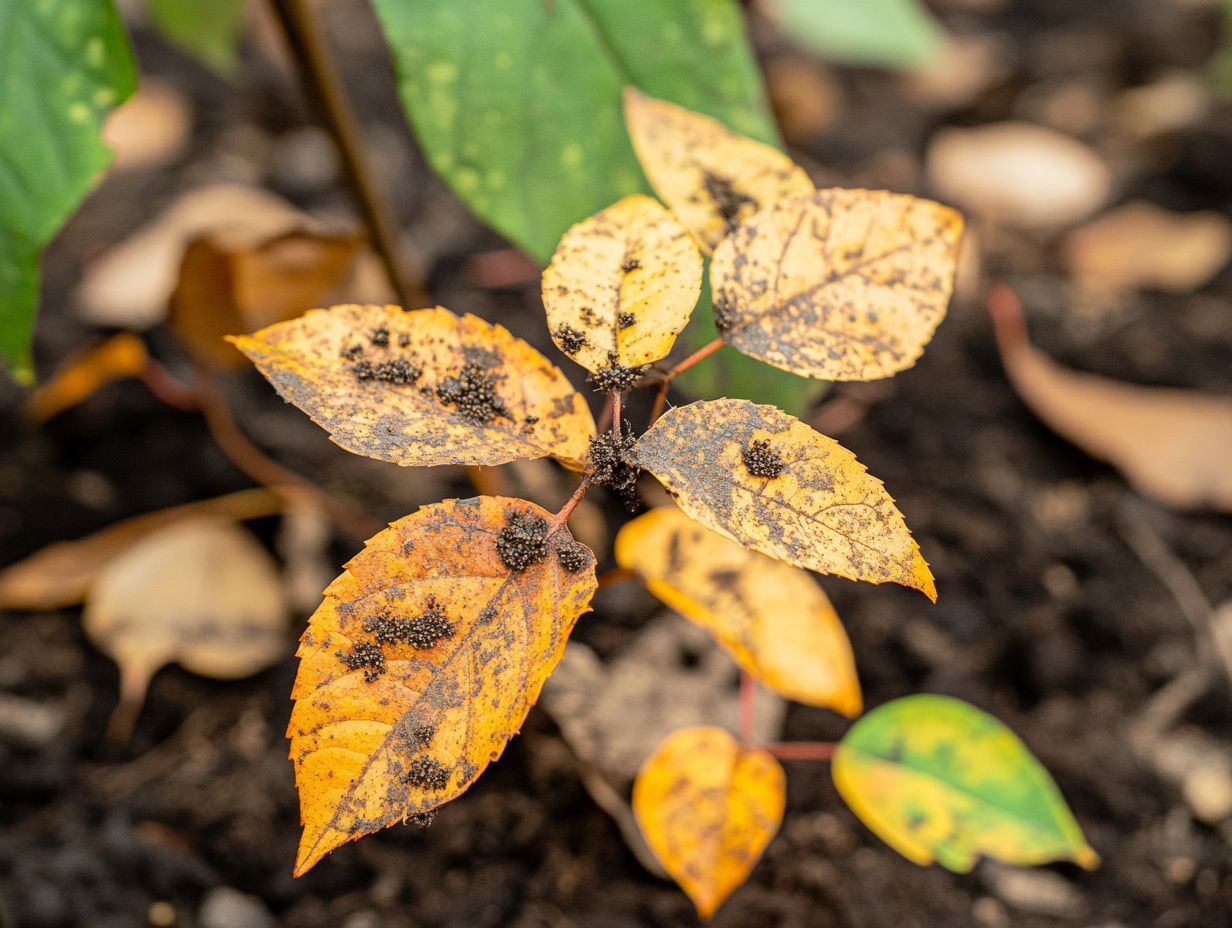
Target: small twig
(319, 74)
(617, 401)
(162, 384)
(748, 699)
(605, 416)
(566, 510)
(699, 355)
(800, 750)
(614, 576)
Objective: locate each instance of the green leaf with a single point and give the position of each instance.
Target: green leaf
(65, 64)
(207, 29)
(878, 33)
(938, 779)
(516, 103)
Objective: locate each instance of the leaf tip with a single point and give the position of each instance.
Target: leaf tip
(1086, 857)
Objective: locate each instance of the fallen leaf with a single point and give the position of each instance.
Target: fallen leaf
(202, 593)
(423, 661)
(150, 129)
(1141, 245)
(227, 286)
(938, 779)
(771, 617)
(768, 481)
(423, 387)
(837, 285)
(1018, 174)
(120, 356)
(1173, 445)
(708, 807)
(622, 285)
(61, 574)
(806, 96)
(711, 177)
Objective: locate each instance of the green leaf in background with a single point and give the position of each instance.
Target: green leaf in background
(938, 779)
(877, 33)
(63, 65)
(207, 29)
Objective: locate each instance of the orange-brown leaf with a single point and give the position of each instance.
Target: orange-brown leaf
(622, 285)
(711, 177)
(708, 807)
(838, 285)
(423, 661)
(423, 387)
(120, 356)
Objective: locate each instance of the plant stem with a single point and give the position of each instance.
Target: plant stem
(748, 698)
(319, 76)
(614, 576)
(605, 416)
(801, 750)
(617, 400)
(566, 510)
(699, 355)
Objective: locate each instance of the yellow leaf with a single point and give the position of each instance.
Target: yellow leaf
(423, 387)
(120, 356)
(622, 286)
(708, 807)
(423, 661)
(838, 285)
(773, 618)
(768, 481)
(712, 178)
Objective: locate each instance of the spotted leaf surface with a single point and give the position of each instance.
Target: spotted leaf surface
(768, 481)
(622, 285)
(712, 178)
(708, 807)
(771, 617)
(938, 779)
(423, 387)
(423, 661)
(839, 284)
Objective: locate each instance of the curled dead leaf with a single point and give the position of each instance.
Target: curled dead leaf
(771, 617)
(423, 387)
(622, 285)
(708, 807)
(711, 177)
(765, 479)
(837, 285)
(122, 355)
(423, 661)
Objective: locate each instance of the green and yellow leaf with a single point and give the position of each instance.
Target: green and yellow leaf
(423, 661)
(423, 387)
(839, 284)
(708, 807)
(622, 285)
(938, 779)
(712, 178)
(770, 482)
(771, 617)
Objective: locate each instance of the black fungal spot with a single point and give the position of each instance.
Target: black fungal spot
(427, 773)
(573, 556)
(612, 465)
(380, 337)
(531, 420)
(571, 341)
(523, 541)
(727, 199)
(614, 377)
(724, 317)
(422, 819)
(486, 615)
(364, 371)
(351, 352)
(423, 735)
(399, 371)
(427, 629)
(761, 460)
(366, 657)
(624, 320)
(404, 340)
(631, 265)
(473, 392)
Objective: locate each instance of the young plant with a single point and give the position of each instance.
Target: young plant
(429, 650)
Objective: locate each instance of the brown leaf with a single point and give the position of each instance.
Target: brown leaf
(60, 574)
(838, 285)
(120, 356)
(423, 661)
(711, 177)
(423, 387)
(150, 128)
(1173, 445)
(622, 285)
(768, 481)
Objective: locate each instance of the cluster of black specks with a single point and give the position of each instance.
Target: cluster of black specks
(624, 320)
(761, 460)
(614, 378)
(523, 541)
(351, 352)
(422, 735)
(571, 341)
(422, 819)
(632, 264)
(530, 420)
(612, 465)
(727, 199)
(399, 371)
(724, 317)
(427, 773)
(422, 632)
(403, 340)
(473, 392)
(380, 337)
(573, 556)
(367, 657)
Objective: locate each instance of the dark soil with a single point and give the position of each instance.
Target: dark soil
(1047, 617)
